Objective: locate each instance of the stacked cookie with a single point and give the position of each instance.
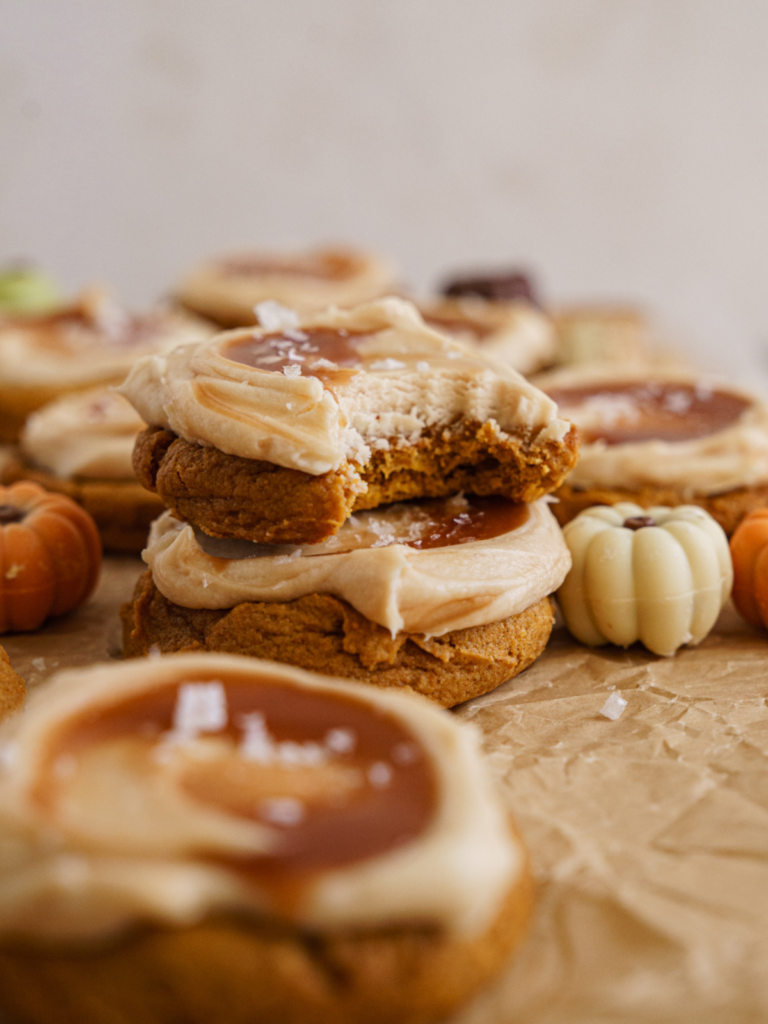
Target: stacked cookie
(354, 493)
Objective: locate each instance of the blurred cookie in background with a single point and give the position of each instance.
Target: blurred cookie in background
(500, 314)
(226, 289)
(93, 340)
(81, 445)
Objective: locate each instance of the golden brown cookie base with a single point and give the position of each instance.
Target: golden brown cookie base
(229, 496)
(122, 509)
(12, 688)
(727, 509)
(324, 634)
(246, 971)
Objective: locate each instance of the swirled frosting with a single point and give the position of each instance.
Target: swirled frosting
(689, 432)
(252, 788)
(311, 394)
(89, 434)
(423, 567)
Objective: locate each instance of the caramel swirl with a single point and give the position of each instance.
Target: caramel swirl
(337, 780)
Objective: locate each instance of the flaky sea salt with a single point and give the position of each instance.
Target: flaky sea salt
(379, 774)
(292, 370)
(273, 316)
(614, 706)
(282, 810)
(38, 664)
(404, 753)
(340, 741)
(388, 364)
(422, 366)
(200, 707)
(323, 364)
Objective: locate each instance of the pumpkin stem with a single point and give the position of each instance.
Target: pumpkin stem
(638, 522)
(11, 514)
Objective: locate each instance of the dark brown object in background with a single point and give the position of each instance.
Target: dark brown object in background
(511, 286)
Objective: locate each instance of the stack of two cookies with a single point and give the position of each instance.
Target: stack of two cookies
(353, 493)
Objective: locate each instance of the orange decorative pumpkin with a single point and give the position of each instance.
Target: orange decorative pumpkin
(50, 555)
(749, 551)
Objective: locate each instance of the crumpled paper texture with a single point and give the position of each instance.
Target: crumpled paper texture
(648, 835)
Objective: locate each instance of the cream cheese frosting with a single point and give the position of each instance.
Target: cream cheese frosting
(371, 564)
(331, 387)
(88, 434)
(183, 740)
(515, 333)
(732, 455)
(94, 341)
(229, 287)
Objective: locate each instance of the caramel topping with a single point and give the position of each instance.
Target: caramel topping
(323, 353)
(336, 779)
(323, 266)
(460, 325)
(626, 412)
(438, 522)
(430, 523)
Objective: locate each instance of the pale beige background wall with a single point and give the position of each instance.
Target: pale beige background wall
(620, 147)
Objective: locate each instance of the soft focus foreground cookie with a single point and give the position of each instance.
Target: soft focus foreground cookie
(516, 333)
(81, 445)
(658, 575)
(93, 341)
(297, 849)
(275, 435)
(662, 439)
(227, 289)
(445, 597)
(50, 556)
(12, 689)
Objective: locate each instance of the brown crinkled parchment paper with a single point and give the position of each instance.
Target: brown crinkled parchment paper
(648, 835)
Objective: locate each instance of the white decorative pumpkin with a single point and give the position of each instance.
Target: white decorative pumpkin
(659, 575)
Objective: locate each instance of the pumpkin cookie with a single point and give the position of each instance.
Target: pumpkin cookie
(81, 445)
(447, 598)
(276, 435)
(12, 689)
(226, 290)
(299, 849)
(516, 333)
(656, 438)
(93, 341)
